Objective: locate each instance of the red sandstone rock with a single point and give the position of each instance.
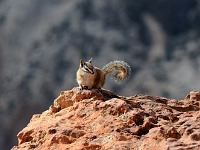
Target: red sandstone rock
(94, 120)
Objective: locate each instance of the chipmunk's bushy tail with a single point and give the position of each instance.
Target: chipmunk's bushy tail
(120, 70)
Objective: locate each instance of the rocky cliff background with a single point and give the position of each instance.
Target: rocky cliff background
(41, 43)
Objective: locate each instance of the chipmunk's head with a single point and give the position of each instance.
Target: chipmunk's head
(87, 66)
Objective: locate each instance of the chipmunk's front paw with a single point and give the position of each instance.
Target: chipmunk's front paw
(80, 88)
(84, 88)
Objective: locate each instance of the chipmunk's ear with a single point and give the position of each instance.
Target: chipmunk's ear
(81, 63)
(90, 61)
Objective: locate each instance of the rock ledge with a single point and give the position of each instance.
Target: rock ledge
(93, 119)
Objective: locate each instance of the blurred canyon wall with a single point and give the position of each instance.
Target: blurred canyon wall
(41, 43)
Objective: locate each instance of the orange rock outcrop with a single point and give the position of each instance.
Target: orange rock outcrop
(101, 120)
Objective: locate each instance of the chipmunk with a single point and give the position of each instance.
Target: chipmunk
(88, 76)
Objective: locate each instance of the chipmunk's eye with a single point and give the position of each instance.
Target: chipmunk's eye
(87, 69)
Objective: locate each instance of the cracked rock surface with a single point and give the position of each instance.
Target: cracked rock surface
(99, 119)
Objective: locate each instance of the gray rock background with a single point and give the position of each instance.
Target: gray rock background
(41, 43)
